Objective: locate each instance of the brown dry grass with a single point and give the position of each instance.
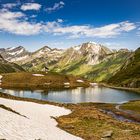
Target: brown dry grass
(27, 81)
(88, 122)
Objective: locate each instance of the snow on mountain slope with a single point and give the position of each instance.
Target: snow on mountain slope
(14, 54)
(93, 52)
(89, 53)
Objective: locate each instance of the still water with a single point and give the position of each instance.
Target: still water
(91, 94)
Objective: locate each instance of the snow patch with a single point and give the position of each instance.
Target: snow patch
(67, 83)
(91, 42)
(39, 123)
(93, 84)
(47, 84)
(16, 52)
(1, 77)
(19, 58)
(80, 81)
(37, 74)
(11, 48)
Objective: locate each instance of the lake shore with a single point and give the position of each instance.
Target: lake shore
(121, 88)
(88, 121)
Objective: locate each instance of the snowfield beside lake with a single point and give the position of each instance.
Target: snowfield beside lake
(39, 123)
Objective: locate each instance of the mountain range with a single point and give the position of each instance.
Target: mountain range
(89, 60)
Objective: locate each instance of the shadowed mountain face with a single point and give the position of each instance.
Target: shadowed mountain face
(6, 67)
(89, 60)
(129, 74)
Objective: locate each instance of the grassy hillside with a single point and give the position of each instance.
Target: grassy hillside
(41, 80)
(97, 73)
(89, 60)
(129, 75)
(9, 67)
(6, 67)
(132, 106)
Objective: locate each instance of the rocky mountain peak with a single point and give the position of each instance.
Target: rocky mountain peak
(90, 47)
(123, 50)
(91, 42)
(14, 54)
(92, 53)
(46, 48)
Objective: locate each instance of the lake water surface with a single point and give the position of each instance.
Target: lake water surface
(91, 94)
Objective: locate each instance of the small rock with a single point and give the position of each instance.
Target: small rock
(93, 84)
(107, 134)
(37, 74)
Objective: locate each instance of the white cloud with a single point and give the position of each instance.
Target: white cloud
(9, 5)
(33, 16)
(12, 22)
(77, 31)
(6, 14)
(55, 7)
(17, 23)
(60, 20)
(30, 6)
(138, 32)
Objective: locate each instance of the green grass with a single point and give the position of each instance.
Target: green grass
(132, 106)
(129, 75)
(97, 73)
(72, 63)
(6, 67)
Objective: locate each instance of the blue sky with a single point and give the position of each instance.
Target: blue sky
(64, 23)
